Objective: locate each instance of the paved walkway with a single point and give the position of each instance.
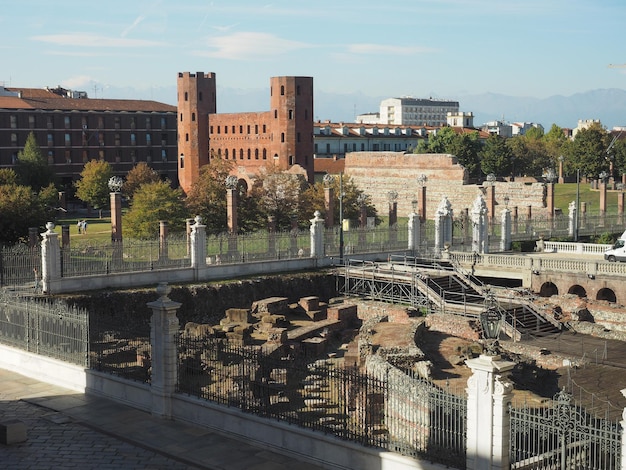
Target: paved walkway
(71, 430)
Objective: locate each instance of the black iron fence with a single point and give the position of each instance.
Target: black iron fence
(20, 265)
(44, 327)
(314, 392)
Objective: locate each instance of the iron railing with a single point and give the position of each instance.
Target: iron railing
(47, 328)
(20, 265)
(318, 393)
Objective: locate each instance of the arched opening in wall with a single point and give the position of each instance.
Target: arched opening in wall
(548, 289)
(275, 156)
(242, 185)
(282, 90)
(291, 160)
(578, 290)
(606, 294)
(264, 154)
(256, 154)
(225, 154)
(240, 154)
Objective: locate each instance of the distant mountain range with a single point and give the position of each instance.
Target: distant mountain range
(607, 105)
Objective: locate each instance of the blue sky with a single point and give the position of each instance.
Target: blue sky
(421, 48)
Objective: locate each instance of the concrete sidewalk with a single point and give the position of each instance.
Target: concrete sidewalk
(66, 429)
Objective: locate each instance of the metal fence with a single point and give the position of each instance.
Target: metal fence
(225, 248)
(317, 393)
(129, 255)
(563, 436)
(20, 265)
(44, 327)
(365, 240)
(120, 345)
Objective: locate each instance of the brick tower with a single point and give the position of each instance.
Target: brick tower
(292, 122)
(196, 100)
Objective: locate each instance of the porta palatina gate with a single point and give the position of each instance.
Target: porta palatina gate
(563, 436)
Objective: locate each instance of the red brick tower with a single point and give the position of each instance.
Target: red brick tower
(292, 122)
(196, 100)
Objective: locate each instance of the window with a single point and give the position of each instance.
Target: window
(282, 90)
(148, 139)
(31, 122)
(241, 129)
(49, 123)
(50, 140)
(50, 157)
(193, 117)
(117, 122)
(148, 123)
(181, 117)
(13, 121)
(240, 154)
(264, 129)
(68, 139)
(249, 154)
(187, 137)
(256, 154)
(225, 129)
(291, 114)
(117, 139)
(163, 123)
(100, 122)
(186, 96)
(199, 96)
(264, 154)
(101, 138)
(256, 128)
(210, 129)
(182, 160)
(133, 138)
(85, 156)
(101, 155)
(68, 156)
(163, 139)
(133, 123)
(282, 137)
(275, 114)
(248, 128)
(164, 155)
(226, 154)
(66, 122)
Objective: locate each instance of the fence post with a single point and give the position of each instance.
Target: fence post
(480, 226)
(488, 395)
(317, 235)
(198, 246)
(163, 339)
(505, 236)
(50, 260)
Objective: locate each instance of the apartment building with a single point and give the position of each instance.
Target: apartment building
(410, 111)
(72, 129)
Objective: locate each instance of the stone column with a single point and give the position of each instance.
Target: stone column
(583, 214)
(271, 233)
(572, 219)
(602, 197)
(491, 201)
(529, 217)
(50, 260)
(198, 245)
(505, 236)
(163, 251)
(116, 216)
(488, 394)
(515, 219)
(188, 224)
(480, 226)
(620, 206)
(414, 232)
(422, 200)
(329, 206)
(65, 236)
(443, 225)
(550, 199)
(317, 235)
(163, 339)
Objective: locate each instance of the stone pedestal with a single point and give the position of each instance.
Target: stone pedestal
(116, 216)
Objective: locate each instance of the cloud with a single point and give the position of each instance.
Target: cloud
(92, 40)
(387, 50)
(138, 20)
(248, 45)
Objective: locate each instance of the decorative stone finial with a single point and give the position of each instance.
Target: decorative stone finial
(115, 184)
(231, 182)
(50, 227)
(163, 290)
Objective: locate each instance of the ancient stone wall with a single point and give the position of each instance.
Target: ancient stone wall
(378, 173)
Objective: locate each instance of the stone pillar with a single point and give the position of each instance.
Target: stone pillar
(414, 233)
(50, 260)
(602, 197)
(480, 226)
(65, 236)
(620, 207)
(116, 216)
(163, 339)
(505, 236)
(329, 206)
(550, 199)
(583, 214)
(393, 213)
(188, 224)
(363, 216)
(515, 219)
(491, 201)
(163, 251)
(488, 394)
(198, 244)
(231, 209)
(422, 200)
(271, 233)
(317, 235)
(443, 225)
(529, 217)
(33, 236)
(572, 219)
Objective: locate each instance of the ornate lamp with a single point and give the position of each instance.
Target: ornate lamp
(491, 322)
(115, 184)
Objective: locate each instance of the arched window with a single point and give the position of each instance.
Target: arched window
(282, 90)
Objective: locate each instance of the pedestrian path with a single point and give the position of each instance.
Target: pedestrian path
(66, 429)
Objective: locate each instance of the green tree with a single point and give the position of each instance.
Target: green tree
(140, 174)
(278, 192)
(495, 157)
(32, 168)
(152, 203)
(207, 196)
(93, 185)
(465, 147)
(20, 209)
(8, 176)
(587, 151)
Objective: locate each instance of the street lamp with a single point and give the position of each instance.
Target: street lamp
(421, 180)
(491, 322)
(506, 201)
(491, 179)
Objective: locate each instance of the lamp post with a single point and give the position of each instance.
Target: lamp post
(491, 322)
(603, 177)
(561, 160)
(550, 176)
(421, 182)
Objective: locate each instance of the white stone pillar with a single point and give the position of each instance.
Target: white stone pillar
(573, 217)
(480, 226)
(198, 244)
(443, 224)
(163, 339)
(488, 395)
(50, 261)
(505, 236)
(317, 236)
(414, 232)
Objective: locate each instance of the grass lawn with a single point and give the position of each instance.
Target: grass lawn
(566, 193)
(98, 229)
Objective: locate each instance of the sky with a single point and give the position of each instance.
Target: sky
(421, 48)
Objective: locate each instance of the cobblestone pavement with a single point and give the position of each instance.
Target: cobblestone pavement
(70, 430)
